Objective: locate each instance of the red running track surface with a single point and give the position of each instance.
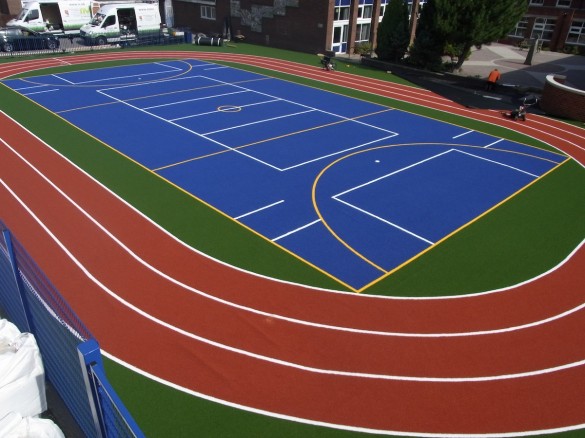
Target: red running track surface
(502, 362)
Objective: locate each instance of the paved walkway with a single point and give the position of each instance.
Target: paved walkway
(510, 61)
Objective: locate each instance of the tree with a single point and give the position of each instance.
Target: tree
(481, 22)
(463, 24)
(430, 40)
(393, 34)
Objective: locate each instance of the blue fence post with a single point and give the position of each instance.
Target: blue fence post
(89, 354)
(18, 281)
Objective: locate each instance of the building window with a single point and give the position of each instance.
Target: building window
(536, 2)
(341, 13)
(362, 32)
(564, 3)
(576, 33)
(208, 12)
(543, 28)
(520, 29)
(365, 11)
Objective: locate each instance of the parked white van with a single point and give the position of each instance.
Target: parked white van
(57, 16)
(122, 23)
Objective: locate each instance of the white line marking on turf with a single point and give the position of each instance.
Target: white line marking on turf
(332, 425)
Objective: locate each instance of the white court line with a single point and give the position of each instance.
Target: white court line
(461, 135)
(350, 119)
(29, 87)
(40, 92)
(410, 166)
(192, 100)
(237, 151)
(321, 157)
(392, 224)
(217, 111)
(296, 230)
(496, 162)
(353, 330)
(259, 209)
(495, 142)
(63, 79)
(260, 121)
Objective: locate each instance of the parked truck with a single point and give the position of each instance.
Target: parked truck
(58, 16)
(123, 23)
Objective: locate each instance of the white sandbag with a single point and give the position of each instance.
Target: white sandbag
(8, 332)
(13, 425)
(22, 378)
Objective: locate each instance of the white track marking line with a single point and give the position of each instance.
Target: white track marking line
(276, 316)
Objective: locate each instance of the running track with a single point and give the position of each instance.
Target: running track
(504, 362)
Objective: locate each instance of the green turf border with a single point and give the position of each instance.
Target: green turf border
(162, 411)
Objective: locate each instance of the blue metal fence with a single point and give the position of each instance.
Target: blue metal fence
(71, 356)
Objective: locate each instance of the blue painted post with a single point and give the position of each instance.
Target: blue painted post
(18, 281)
(89, 354)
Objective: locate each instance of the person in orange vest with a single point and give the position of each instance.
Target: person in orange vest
(492, 79)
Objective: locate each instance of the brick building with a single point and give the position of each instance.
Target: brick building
(338, 25)
(560, 24)
(8, 9)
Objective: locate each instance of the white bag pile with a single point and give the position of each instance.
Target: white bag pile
(22, 385)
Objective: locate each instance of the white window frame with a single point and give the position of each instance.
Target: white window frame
(208, 12)
(564, 3)
(543, 28)
(536, 3)
(520, 28)
(576, 33)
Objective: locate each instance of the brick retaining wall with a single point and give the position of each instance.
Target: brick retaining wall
(561, 100)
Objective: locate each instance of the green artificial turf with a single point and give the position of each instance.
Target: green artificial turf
(162, 411)
(520, 239)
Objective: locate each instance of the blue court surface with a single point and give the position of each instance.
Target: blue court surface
(354, 188)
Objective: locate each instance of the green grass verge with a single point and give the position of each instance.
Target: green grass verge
(162, 411)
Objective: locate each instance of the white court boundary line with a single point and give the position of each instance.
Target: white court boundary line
(263, 313)
(242, 89)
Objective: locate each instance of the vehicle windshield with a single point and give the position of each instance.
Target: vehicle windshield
(97, 19)
(22, 14)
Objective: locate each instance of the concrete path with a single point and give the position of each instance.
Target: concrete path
(511, 63)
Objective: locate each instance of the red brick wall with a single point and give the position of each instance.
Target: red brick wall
(561, 101)
(306, 28)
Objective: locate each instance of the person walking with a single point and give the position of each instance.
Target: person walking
(492, 79)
